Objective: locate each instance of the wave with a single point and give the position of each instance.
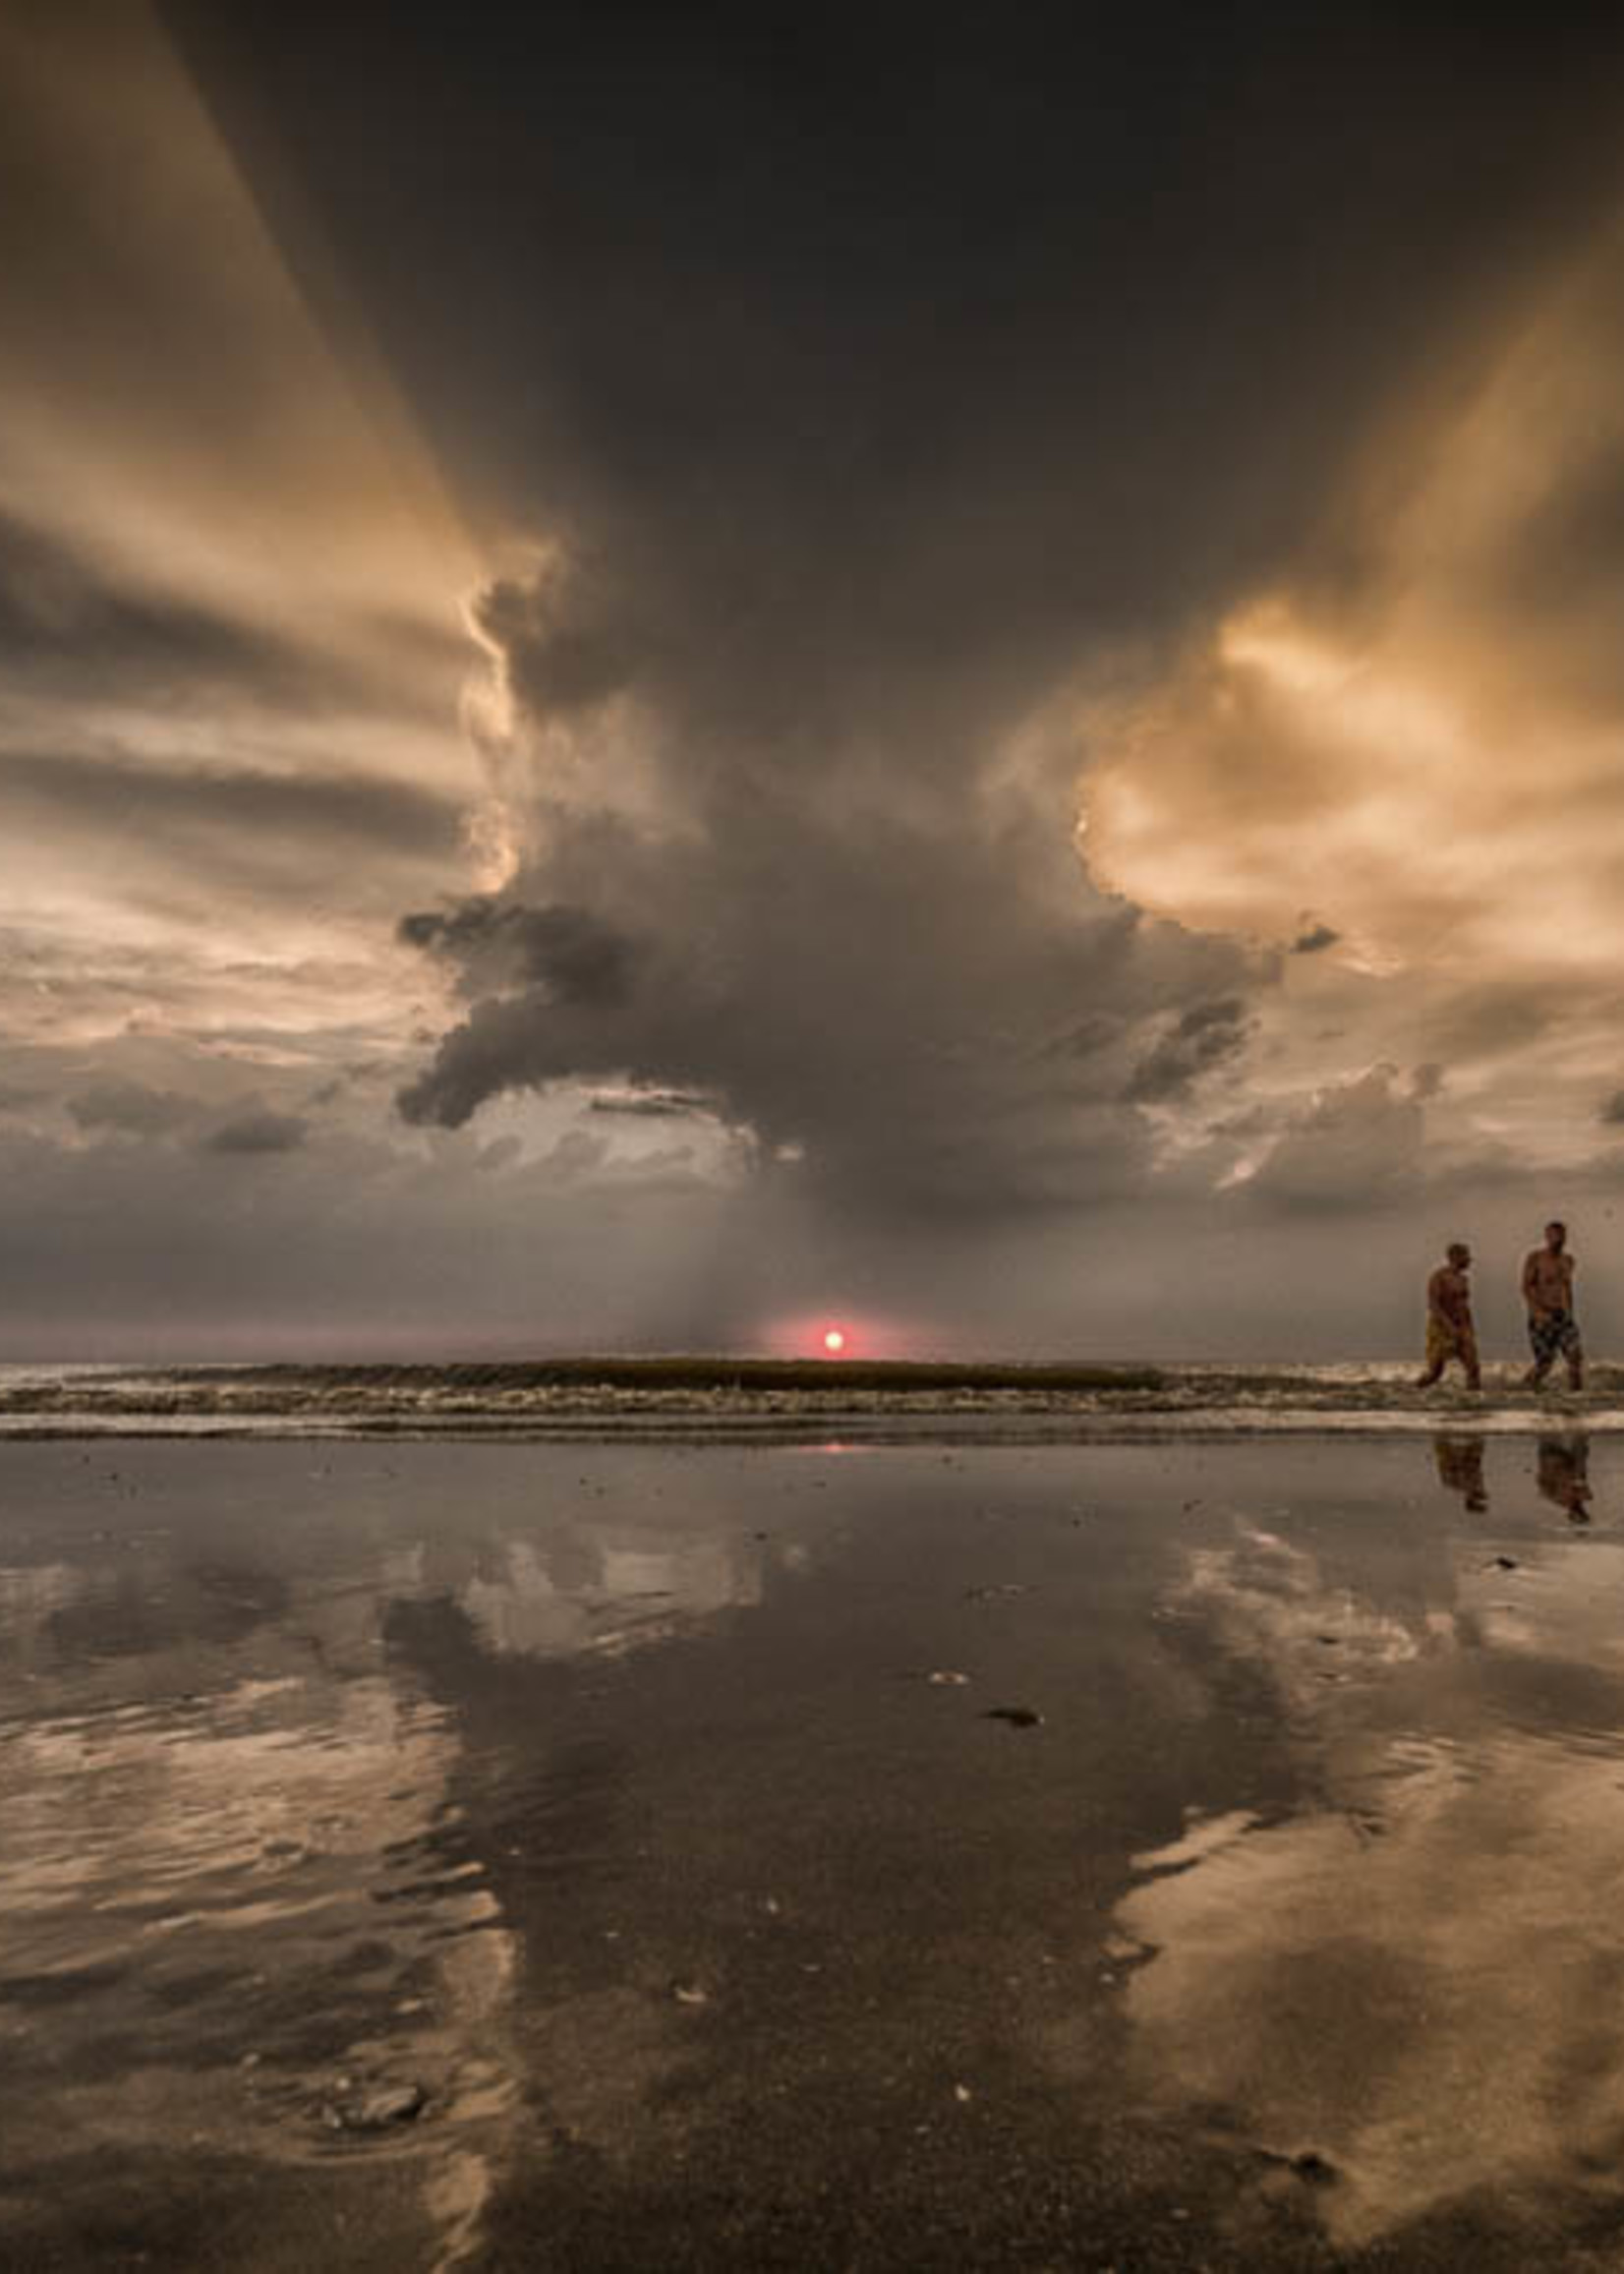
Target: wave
(710, 1396)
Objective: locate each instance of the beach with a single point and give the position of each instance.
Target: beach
(1195, 1850)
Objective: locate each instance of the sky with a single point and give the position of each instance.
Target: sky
(669, 676)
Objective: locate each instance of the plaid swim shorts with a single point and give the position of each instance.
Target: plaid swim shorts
(1551, 1331)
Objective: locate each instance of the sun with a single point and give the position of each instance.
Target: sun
(834, 1340)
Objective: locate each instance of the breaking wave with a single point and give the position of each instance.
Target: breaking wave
(753, 1397)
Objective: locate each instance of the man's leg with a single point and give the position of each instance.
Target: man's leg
(1573, 1350)
(1471, 1469)
(1439, 1350)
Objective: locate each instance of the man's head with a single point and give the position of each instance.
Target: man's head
(1555, 1237)
(1458, 1254)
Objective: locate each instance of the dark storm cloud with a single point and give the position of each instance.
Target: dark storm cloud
(874, 990)
(889, 320)
(879, 375)
(568, 951)
(1201, 1038)
(1314, 939)
(258, 1131)
(558, 641)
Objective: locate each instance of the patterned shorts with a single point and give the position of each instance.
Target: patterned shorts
(1551, 1331)
(1445, 1341)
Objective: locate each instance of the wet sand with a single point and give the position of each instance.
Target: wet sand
(500, 1855)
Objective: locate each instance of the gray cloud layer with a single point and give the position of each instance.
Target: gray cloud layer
(260, 1130)
(251, 821)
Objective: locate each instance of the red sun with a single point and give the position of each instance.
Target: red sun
(834, 1340)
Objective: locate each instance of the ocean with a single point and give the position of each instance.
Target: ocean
(751, 1397)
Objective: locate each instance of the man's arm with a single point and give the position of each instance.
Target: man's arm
(1531, 1281)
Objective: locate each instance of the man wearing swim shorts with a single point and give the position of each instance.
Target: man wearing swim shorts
(1450, 1332)
(1547, 1290)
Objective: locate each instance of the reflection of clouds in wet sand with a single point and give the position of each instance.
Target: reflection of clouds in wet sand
(1418, 1980)
(1269, 1605)
(228, 1919)
(636, 1593)
(607, 1588)
(240, 1901)
(1563, 1607)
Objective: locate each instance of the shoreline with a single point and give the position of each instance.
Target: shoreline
(708, 1400)
(817, 1427)
(479, 1405)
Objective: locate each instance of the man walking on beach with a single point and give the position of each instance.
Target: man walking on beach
(1450, 1332)
(1547, 1290)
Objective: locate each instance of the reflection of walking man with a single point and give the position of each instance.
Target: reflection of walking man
(1547, 1290)
(1460, 1469)
(1563, 1475)
(1450, 1332)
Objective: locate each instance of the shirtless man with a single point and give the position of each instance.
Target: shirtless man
(1450, 1332)
(1547, 1290)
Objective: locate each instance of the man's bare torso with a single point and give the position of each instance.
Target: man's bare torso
(1449, 1292)
(1547, 1282)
